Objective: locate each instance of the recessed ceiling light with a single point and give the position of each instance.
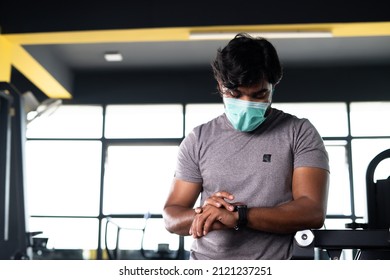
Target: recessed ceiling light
(268, 35)
(113, 56)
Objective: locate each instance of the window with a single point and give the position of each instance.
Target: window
(144, 121)
(63, 177)
(339, 197)
(68, 121)
(197, 114)
(63, 169)
(370, 118)
(137, 178)
(68, 233)
(131, 234)
(321, 115)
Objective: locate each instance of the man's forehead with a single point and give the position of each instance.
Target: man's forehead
(261, 86)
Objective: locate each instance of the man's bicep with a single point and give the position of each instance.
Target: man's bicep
(312, 183)
(183, 193)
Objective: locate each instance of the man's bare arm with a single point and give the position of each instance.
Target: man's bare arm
(178, 210)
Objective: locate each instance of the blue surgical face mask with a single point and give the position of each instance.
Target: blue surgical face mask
(245, 115)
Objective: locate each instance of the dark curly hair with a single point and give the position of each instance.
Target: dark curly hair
(246, 61)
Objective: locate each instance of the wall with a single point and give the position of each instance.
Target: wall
(358, 83)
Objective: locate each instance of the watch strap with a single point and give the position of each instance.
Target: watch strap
(242, 216)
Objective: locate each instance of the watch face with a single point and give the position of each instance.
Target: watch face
(236, 207)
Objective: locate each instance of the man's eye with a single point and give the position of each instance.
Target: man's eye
(261, 95)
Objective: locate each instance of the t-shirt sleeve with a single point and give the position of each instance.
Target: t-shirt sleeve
(309, 148)
(187, 165)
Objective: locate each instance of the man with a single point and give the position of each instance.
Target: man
(262, 174)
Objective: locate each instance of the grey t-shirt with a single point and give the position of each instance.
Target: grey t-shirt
(257, 168)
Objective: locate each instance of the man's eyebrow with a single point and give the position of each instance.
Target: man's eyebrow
(263, 90)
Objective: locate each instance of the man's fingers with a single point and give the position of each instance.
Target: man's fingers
(221, 197)
(218, 202)
(214, 201)
(224, 194)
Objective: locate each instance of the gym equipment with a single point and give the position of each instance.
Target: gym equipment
(372, 240)
(162, 251)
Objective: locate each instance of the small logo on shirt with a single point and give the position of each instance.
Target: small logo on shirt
(266, 158)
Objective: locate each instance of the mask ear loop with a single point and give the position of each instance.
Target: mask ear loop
(271, 95)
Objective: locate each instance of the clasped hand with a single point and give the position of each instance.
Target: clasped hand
(216, 213)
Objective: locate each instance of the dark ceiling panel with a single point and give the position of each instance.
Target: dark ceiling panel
(44, 16)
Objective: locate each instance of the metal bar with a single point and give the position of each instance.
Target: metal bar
(352, 239)
(5, 162)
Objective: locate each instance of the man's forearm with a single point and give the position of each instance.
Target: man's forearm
(178, 219)
(288, 218)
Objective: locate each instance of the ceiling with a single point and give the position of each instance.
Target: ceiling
(64, 38)
(186, 54)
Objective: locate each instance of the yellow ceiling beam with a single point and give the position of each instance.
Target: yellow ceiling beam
(361, 29)
(37, 74)
(12, 54)
(183, 33)
(5, 60)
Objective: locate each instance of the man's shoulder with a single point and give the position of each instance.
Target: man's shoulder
(285, 123)
(279, 114)
(278, 117)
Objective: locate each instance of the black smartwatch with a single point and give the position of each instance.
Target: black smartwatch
(242, 216)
